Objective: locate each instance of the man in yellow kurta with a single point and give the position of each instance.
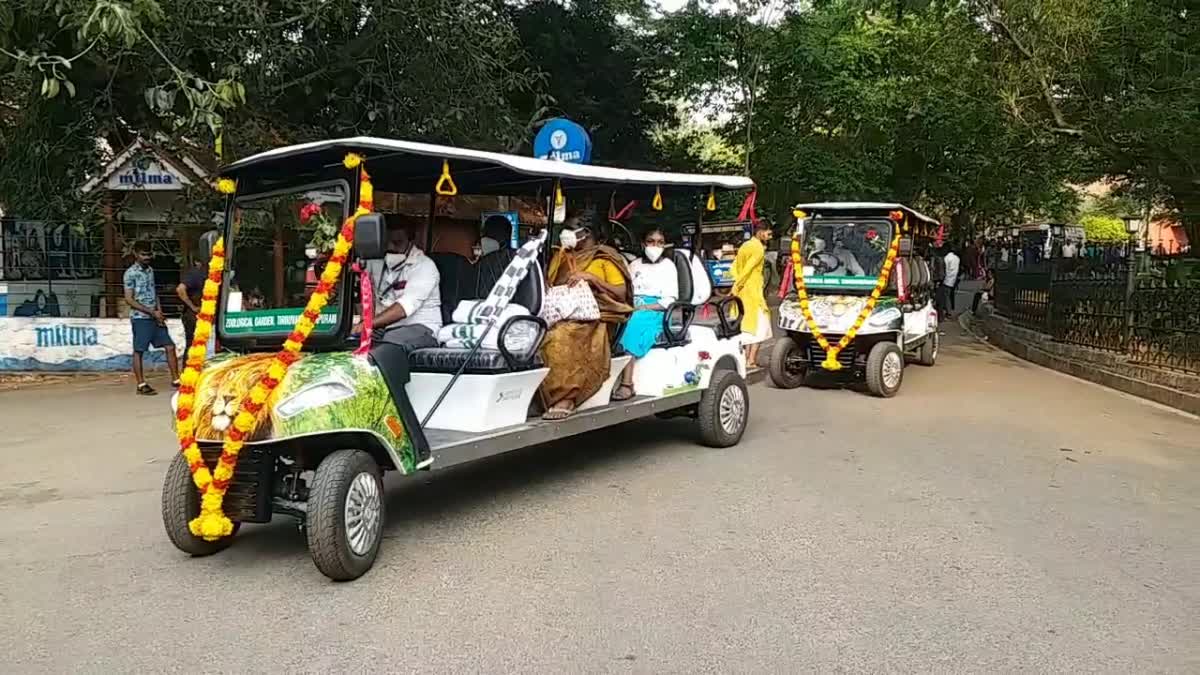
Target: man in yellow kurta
(747, 271)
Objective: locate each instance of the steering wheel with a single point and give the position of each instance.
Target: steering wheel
(626, 237)
(821, 264)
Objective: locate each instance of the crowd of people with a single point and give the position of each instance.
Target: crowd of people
(595, 300)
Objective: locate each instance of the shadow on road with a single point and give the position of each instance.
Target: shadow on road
(473, 490)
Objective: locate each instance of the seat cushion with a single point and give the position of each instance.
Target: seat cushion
(683, 268)
(449, 360)
(457, 280)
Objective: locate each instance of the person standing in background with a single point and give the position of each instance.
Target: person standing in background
(984, 294)
(950, 283)
(148, 324)
(748, 286)
(497, 234)
(189, 290)
(937, 271)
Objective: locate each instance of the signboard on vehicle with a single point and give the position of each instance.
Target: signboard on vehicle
(562, 140)
(720, 271)
(274, 321)
(844, 282)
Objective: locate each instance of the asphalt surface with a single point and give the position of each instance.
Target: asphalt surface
(994, 517)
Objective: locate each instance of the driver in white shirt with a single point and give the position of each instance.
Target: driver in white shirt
(408, 302)
(840, 261)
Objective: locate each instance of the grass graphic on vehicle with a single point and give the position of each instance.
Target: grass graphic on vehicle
(345, 393)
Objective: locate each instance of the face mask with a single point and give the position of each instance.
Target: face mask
(568, 239)
(393, 259)
(477, 251)
(653, 253)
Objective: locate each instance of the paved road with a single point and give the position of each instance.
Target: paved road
(994, 517)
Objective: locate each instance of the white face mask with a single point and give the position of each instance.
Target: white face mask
(653, 253)
(393, 259)
(477, 251)
(568, 239)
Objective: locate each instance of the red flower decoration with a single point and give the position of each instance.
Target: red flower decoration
(872, 235)
(704, 356)
(308, 211)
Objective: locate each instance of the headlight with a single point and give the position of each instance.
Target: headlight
(520, 339)
(174, 409)
(313, 396)
(885, 317)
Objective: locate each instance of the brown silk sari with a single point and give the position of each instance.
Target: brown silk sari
(578, 353)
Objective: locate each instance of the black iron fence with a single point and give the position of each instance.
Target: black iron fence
(1152, 318)
(60, 269)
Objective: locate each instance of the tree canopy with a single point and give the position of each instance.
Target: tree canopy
(983, 111)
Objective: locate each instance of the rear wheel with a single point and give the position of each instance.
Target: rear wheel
(345, 514)
(180, 504)
(723, 410)
(929, 350)
(885, 369)
(786, 367)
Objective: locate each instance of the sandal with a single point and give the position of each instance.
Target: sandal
(555, 414)
(175, 383)
(145, 389)
(623, 392)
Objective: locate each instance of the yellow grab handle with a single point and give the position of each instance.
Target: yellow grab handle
(712, 200)
(445, 185)
(657, 204)
(558, 196)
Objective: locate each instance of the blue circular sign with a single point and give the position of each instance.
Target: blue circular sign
(563, 140)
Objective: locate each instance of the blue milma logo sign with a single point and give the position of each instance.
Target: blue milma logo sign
(66, 336)
(563, 140)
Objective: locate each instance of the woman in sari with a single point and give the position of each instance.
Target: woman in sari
(578, 353)
(747, 272)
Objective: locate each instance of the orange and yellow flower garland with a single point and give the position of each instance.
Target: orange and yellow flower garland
(831, 352)
(212, 523)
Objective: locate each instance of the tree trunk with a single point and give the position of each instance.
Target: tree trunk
(960, 224)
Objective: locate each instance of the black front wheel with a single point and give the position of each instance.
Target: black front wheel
(885, 369)
(786, 367)
(345, 514)
(724, 410)
(180, 504)
(929, 349)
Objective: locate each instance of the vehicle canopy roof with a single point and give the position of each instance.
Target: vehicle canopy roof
(862, 209)
(410, 167)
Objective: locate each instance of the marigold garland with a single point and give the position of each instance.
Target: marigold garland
(212, 523)
(226, 186)
(831, 352)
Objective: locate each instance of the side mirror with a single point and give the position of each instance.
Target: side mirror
(208, 241)
(370, 237)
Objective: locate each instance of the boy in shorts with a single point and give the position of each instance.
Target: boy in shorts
(146, 318)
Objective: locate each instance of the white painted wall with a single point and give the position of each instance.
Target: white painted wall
(74, 344)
